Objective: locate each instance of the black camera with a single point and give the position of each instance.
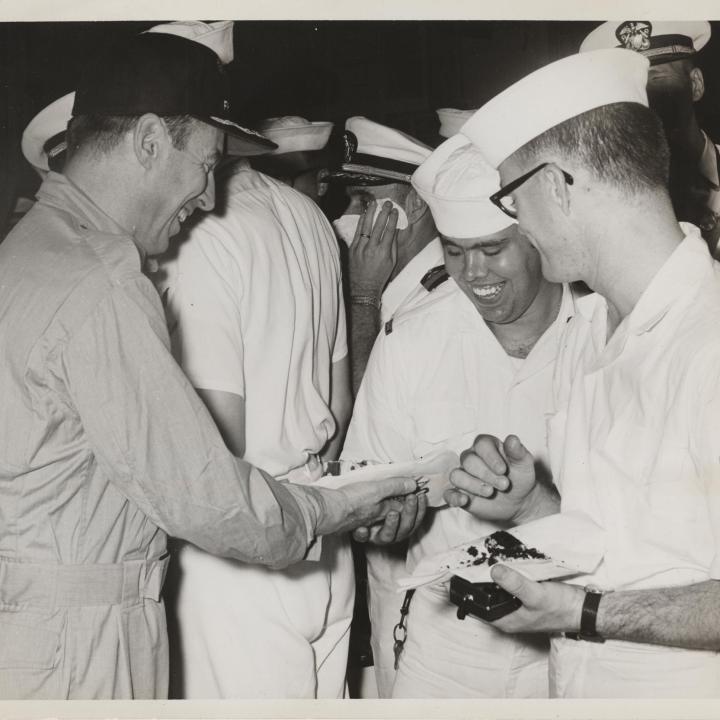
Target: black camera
(485, 600)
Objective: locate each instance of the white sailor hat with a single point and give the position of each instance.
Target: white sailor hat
(660, 42)
(375, 154)
(292, 133)
(456, 182)
(553, 94)
(451, 120)
(218, 36)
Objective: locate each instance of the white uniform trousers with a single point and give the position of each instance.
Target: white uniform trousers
(250, 632)
(445, 657)
(384, 565)
(614, 669)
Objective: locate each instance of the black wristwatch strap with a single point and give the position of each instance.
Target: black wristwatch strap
(588, 618)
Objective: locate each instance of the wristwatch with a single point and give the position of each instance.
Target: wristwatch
(588, 617)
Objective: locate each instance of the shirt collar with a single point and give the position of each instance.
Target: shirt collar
(60, 192)
(545, 349)
(689, 264)
(407, 280)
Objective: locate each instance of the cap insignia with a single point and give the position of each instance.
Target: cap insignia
(634, 34)
(350, 145)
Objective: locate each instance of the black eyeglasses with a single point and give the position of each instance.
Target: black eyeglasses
(503, 199)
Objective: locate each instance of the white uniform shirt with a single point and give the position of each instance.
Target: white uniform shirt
(634, 444)
(634, 441)
(407, 281)
(254, 303)
(243, 320)
(440, 378)
(436, 380)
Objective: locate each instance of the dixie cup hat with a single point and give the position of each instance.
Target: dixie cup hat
(456, 182)
(553, 94)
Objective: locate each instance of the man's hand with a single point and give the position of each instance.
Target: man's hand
(547, 607)
(373, 252)
(494, 478)
(398, 524)
(496, 481)
(361, 504)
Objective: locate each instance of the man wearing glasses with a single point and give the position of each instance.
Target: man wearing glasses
(633, 440)
(488, 339)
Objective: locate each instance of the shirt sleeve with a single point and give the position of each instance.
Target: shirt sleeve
(153, 437)
(378, 429)
(204, 310)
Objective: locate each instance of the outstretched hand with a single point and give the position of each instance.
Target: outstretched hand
(362, 504)
(398, 524)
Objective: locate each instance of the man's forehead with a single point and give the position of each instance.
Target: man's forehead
(480, 241)
(373, 190)
(674, 69)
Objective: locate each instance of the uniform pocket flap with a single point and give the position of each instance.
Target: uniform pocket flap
(27, 646)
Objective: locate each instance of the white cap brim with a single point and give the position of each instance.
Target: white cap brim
(50, 121)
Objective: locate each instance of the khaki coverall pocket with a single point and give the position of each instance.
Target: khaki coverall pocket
(29, 656)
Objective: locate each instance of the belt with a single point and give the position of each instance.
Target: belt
(47, 585)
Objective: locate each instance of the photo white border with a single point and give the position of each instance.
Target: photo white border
(127, 10)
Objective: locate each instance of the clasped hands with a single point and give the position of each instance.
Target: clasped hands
(496, 481)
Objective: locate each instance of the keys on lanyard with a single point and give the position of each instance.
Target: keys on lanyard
(400, 630)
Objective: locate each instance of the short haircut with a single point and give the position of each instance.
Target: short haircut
(104, 132)
(621, 144)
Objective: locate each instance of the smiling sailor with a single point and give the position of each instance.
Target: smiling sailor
(104, 446)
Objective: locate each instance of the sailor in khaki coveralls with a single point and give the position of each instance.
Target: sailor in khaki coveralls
(104, 446)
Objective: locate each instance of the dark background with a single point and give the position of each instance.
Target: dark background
(395, 72)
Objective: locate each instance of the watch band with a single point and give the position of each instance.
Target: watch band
(588, 618)
(369, 300)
